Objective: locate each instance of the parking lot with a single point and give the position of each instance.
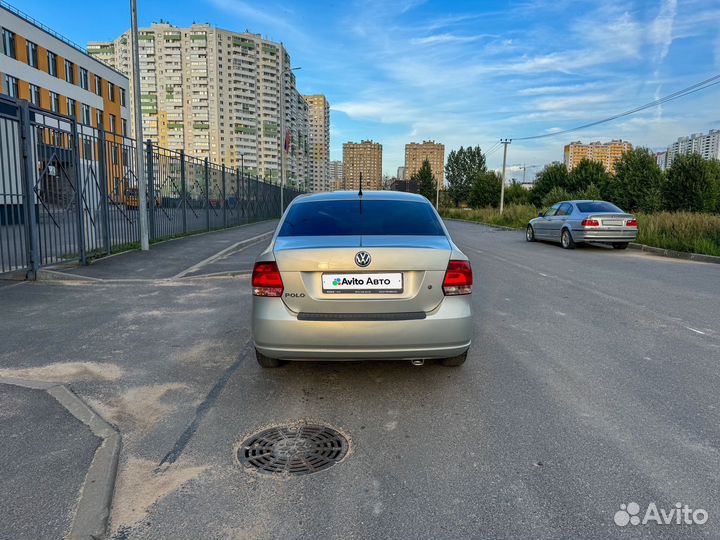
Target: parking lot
(592, 382)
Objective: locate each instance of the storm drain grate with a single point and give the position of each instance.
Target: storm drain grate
(293, 450)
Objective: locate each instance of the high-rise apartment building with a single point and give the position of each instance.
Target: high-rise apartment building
(417, 153)
(705, 144)
(336, 174)
(40, 66)
(319, 138)
(606, 153)
(216, 94)
(364, 157)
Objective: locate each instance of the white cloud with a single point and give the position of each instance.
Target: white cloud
(448, 38)
(661, 29)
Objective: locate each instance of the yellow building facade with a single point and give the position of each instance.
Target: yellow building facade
(606, 153)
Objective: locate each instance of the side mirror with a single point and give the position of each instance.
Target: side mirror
(541, 214)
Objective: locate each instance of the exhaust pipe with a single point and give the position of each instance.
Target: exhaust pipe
(417, 362)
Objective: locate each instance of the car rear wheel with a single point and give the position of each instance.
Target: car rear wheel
(529, 234)
(566, 240)
(455, 361)
(620, 245)
(266, 361)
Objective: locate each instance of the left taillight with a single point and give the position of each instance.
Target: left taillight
(266, 279)
(458, 278)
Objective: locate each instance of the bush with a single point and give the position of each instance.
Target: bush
(485, 190)
(693, 184)
(681, 231)
(591, 193)
(516, 194)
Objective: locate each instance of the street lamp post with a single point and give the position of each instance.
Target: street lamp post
(139, 154)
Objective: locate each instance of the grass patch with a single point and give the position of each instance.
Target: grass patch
(681, 231)
(515, 215)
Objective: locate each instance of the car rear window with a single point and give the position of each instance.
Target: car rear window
(597, 206)
(349, 217)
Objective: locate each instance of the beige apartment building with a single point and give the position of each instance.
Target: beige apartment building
(216, 94)
(364, 157)
(336, 174)
(606, 153)
(319, 139)
(417, 153)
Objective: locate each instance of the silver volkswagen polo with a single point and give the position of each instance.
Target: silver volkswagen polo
(361, 276)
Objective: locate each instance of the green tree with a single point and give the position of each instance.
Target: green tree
(555, 195)
(485, 190)
(552, 176)
(692, 184)
(461, 169)
(585, 173)
(638, 182)
(592, 193)
(425, 181)
(516, 194)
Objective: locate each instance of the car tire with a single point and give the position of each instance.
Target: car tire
(620, 245)
(566, 239)
(267, 362)
(455, 361)
(530, 234)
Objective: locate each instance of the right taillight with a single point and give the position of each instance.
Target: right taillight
(631, 223)
(458, 278)
(266, 279)
(590, 223)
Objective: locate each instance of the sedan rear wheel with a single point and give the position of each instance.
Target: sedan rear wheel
(620, 245)
(266, 361)
(529, 234)
(566, 240)
(455, 361)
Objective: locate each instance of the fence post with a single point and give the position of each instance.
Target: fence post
(237, 194)
(150, 171)
(102, 178)
(32, 229)
(183, 191)
(224, 197)
(207, 195)
(78, 194)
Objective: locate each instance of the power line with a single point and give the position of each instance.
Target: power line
(707, 83)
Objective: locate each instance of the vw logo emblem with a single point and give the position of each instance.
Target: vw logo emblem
(362, 258)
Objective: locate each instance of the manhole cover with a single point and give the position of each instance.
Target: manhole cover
(293, 449)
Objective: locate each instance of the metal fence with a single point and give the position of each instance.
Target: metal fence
(68, 192)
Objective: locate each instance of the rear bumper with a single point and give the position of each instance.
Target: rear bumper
(604, 235)
(444, 333)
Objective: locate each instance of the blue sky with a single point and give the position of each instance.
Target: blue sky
(468, 72)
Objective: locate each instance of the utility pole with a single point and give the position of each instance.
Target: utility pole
(505, 143)
(139, 154)
(437, 195)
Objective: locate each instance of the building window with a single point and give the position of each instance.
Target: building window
(69, 72)
(111, 92)
(71, 108)
(123, 98)
(11, 86)
(98, 85)
(52, 63)
(98, 118)
(112, 123)
(84, 78)
(85, 111)
(8, 40)
(35, 95)
(54, 102)
(124, 127)
(32, 54)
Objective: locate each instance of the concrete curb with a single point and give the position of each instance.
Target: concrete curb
(675, 254)
(93, 508)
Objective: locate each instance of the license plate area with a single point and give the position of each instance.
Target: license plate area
(613, 222)
(363, 283)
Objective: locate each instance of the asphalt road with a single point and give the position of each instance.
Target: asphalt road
(592, 382)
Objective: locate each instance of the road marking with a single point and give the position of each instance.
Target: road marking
(696, 331)
(238, 246)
